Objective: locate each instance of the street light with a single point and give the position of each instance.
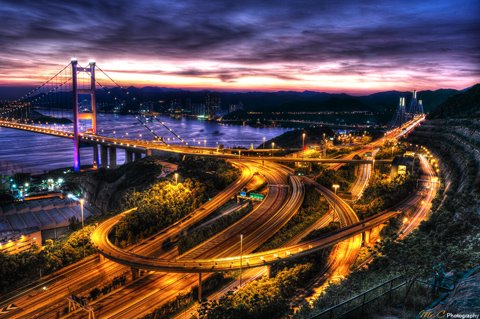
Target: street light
(241, 257)
(335, 187)
(82, 202)
(303, 145)
(176, 178)
(204, 143)
(264, 138)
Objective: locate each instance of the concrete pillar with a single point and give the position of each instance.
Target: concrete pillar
(112, 152)
(135, 273)
(365, 238)
(95, 156)
(200, 287)
(269, 271)
(149, 152)
(128, 156)
(103, 156)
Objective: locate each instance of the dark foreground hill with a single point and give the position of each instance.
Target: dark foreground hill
(462, 105)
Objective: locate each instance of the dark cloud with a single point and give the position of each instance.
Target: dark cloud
(433, 36)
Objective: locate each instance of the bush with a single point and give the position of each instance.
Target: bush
(158, 207)
(196, 237)
(263, 298)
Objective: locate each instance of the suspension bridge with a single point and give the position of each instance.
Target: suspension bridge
(65, 106)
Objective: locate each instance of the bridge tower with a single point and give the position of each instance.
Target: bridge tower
(77, 116)
(400, 116)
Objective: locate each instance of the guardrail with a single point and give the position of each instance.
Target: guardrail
(359, 302)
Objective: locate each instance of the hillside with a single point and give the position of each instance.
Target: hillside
(449, 237)
(463, 105)
(282, 101)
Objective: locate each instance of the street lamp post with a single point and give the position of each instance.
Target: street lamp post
(303, 145)
(204, 143)
(273, 147)
(241, 257)
(264, 138)
(82, 202)
(335, 187)
(176, 178)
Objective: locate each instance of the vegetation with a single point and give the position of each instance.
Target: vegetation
(199, 235)
(383, 193)
(158, 207)
(390, 149)
(266, 297)
(463, 105)
(313, 208)
(293, 139)
(214, 174)
(22, 267)
(166, 202)
(344, 177)
(450, 235)
(106, 188)
(115, 283)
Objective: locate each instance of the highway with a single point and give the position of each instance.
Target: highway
(196, 261)
(56, 301)
(157, 288)
(423, 208)
(90, 272)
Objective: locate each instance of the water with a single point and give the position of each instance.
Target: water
(35, 153)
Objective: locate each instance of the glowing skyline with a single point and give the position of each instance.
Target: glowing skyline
(246, 45)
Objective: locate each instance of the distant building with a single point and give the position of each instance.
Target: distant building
(235, 107)
(213, 104)
(198, 109)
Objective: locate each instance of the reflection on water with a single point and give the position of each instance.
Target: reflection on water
(35, 153)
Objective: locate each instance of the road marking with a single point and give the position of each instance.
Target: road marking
(8, 308)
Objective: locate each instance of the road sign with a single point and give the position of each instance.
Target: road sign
(257, 196)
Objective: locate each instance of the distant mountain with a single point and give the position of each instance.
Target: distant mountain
(462, 105)
(281, 101)
(307, 101)
(14, 92)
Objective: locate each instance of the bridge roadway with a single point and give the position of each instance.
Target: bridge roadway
(145, 146)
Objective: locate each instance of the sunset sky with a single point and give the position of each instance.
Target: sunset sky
(334, 46)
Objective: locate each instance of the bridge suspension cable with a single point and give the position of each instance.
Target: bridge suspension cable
(134, 101)
(42, 85)
(47, 94)
(156, 137)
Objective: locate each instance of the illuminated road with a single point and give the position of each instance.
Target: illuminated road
(157, 288)
(423, 208)
(89, 273)
(144, 145)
